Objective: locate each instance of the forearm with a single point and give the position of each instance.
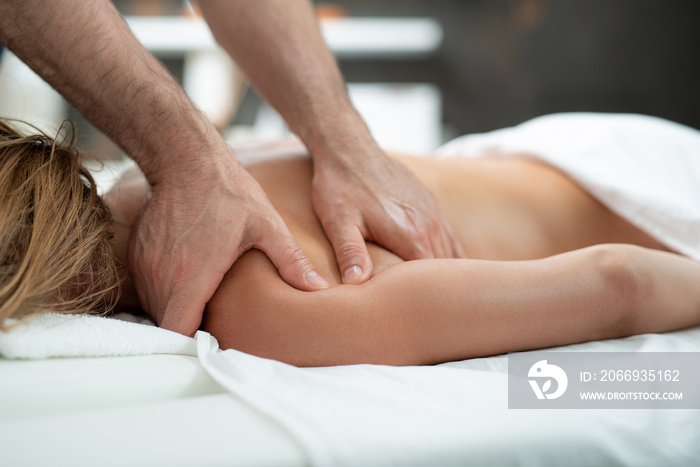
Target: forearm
(86, 51)
(432, 311)
(279, 46)
(358, 193)
(441, 310)
(457, 309)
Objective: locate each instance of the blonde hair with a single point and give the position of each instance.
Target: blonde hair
(55, 229)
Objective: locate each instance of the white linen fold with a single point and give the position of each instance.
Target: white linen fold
(645, 169)
(453, 414)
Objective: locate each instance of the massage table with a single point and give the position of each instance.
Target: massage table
(85, 390)
(119, 405)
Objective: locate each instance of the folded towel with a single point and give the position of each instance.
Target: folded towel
(60, 335)
(64, 335)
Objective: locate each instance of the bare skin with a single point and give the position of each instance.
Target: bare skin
(549, 265)
(356, 196)
(178, 257)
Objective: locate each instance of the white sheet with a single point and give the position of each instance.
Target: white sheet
(138, 411)
(645, 169)
(165, 410)
(453, 414)
(364, 415)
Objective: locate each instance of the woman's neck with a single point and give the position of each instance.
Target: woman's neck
(124, 200)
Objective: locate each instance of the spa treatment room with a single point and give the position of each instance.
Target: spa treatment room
(349, 233)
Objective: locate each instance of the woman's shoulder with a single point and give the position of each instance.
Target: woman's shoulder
(250, 153)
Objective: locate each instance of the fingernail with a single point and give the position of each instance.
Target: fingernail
(351, 274)
(315, 280)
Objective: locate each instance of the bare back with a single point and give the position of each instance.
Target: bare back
(420, 312)
(430, 311)
(501, 209)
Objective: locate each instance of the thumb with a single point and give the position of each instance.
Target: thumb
(354, 262)
(291, 261)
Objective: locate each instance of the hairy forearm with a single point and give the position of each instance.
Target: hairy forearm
(87, 53)
(279, 46)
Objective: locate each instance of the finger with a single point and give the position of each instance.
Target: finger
(185, 306)
(451, 246)
(350, 248)
(174, 294)
(183, 301)
(410, 244)
(439, 239)
(173, 283)
(290, 260)
(456, 249)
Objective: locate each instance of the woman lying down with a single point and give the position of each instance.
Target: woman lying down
(548, 264)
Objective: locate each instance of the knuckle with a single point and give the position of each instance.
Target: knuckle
(422, 247)
(422, 238)
(294, 254)
(350, 250)
(435, 226)
(422, 227)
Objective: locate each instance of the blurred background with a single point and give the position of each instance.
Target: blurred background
(424, 71)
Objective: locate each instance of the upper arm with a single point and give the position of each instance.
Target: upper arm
(420, 312)
(255, 311)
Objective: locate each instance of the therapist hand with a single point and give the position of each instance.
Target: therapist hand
(190, 231)
(370, 196)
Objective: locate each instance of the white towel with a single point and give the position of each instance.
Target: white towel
(451, 414)
(63, 335)
(59, 335)
(643, 168)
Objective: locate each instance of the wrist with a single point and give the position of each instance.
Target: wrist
(183, 151)
(343, 137)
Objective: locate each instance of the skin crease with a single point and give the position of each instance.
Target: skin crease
(177, 256)
(522, 287)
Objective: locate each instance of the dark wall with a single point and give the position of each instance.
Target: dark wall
(504, 61)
